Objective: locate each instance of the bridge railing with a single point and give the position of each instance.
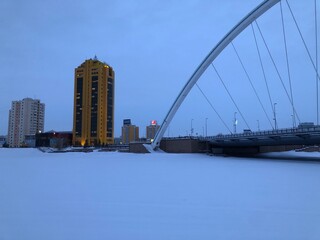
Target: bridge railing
(300, 130)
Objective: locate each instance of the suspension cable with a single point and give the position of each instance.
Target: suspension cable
(224, 123)
(277, 70)
(225, 87)
(288, 65)
(316, 33)
(302, 38)
(263, 71)
(254, 89)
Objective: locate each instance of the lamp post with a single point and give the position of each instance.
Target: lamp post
(275, 116)
(258, 125)
(235, 122)
(191, 132)
(293, 121)
(206, 127)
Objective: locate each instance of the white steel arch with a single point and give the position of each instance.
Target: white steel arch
(246, 21)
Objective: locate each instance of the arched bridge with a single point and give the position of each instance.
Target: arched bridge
(304, 134)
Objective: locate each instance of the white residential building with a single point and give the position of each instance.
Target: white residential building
(26, 117)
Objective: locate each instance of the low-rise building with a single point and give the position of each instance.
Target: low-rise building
(54, 139)
(29, 141)
(3, 140)
(130, 133)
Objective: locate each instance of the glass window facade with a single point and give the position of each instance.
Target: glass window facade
(79, 97)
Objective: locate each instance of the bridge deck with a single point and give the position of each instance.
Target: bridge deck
(288, 136)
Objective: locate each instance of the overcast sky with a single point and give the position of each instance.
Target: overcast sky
(154, 46)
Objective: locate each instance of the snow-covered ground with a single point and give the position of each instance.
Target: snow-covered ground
(120, 196)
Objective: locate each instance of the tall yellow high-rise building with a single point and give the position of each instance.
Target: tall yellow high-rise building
(93, 111)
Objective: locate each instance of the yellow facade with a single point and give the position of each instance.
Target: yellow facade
(93, 114)
(130, 133)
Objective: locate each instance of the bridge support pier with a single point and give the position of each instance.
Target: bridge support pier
(281, 148)
(235, 151)
(252, 150)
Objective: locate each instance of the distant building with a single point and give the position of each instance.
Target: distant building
(93, 112)
(152, 129)
(30, 141)
(130, 133)
(3, 140)
(54, 139)
(117, 140)
(26, 117)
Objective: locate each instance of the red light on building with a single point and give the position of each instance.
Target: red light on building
(153, 122)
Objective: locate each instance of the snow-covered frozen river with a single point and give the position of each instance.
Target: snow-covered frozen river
(120, 196)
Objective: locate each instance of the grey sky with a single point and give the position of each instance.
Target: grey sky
(154, 46)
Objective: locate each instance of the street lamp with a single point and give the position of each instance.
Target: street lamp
(206, 127)
(235, 122)
(191, 128)
(275, 116)
(258, 125)
(293, 121)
